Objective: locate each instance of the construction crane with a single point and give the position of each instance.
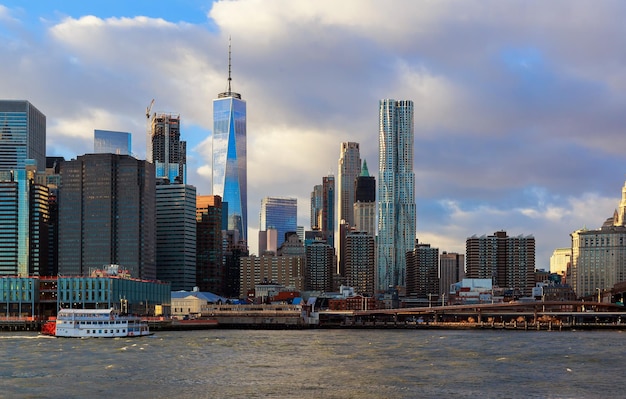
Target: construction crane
(148, 131)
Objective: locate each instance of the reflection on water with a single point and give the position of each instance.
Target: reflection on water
(316, 364)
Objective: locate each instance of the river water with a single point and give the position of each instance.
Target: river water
(317, 364)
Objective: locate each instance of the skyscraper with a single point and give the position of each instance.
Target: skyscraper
(22, 135)
(451, 270)
(210, 267)
(316, 208)
(176, 234)
(349, 169)
(165, 149)
(24, 211)
(111, 142)
(279, 213)
(230, 173)
(107, 215)
(328, 210)
(422, 277)
(360, 262)
(365, 202)
(396, 191)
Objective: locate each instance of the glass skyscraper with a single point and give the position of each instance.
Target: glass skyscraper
(396, 192)
(230, 173)
(166, 150)
(22, 135)
(280, 214)
(112, 142)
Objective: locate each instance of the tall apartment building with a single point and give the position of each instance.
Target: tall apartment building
(451, 270)
(508, 261)
(112, 142)
(365, 202)
(230, 170)
(360, 262)
(598, 259)
(176, 234)
(422, 272)
(107, 215)
(320, 267)
(279, 213)
(210, 263)
(396, 192)
(22, 135)
(165, 149)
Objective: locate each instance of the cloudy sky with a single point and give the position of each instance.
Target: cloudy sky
(520, 105)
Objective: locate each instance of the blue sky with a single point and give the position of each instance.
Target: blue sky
(519, 122)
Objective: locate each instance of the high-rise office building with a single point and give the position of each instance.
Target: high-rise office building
(112, 142)
(53, 182)
(422, 272)
(22, 135)
(107, 215)
(230, 170)
(349, 169)
(24, 210)
(176, 234)
(210, 266)
(508, 261)
(360, 262)
(598, 259)
(396, 192)
(279, 213)
(165, 149)
(316, 208)
(560, 261)
(365, 202)
(451, 270)
(328, 210)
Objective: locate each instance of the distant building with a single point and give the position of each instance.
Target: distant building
(316, 208)
(230, 170)
(396, 192)
(349, 168)
(24, 223)
(599, 256)
(286, 271)
(165, 149)
(508, 261)
(268, 241)
(176, 234)
(22, 135)
(107, 215)
(560, 260)
(422, 264)
(365, 202)
(278, 213)
(210, 263)
(112, 142)
(451, 270)
(320, 267)
(360, 262)
(327, 225)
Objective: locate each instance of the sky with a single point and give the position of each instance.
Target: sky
(519, 105)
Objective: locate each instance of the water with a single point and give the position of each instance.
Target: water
(316, 364)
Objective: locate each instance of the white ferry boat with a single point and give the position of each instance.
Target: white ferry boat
(97, 323)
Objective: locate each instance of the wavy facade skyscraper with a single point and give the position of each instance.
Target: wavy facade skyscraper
(230, 172)
(396, 192)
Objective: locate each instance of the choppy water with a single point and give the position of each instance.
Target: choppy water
(316, 364)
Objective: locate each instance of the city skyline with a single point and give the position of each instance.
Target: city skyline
(518, 119)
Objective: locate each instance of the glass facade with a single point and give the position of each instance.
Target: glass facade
(280, 214)
(107, 215)
(396, 192)
(111, 142)
(22, 135)
(230, 159)
(166, 150)
(176, 235)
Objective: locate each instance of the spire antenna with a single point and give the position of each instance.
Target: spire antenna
(229, 78)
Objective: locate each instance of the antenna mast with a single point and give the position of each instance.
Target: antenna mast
(229, 78)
